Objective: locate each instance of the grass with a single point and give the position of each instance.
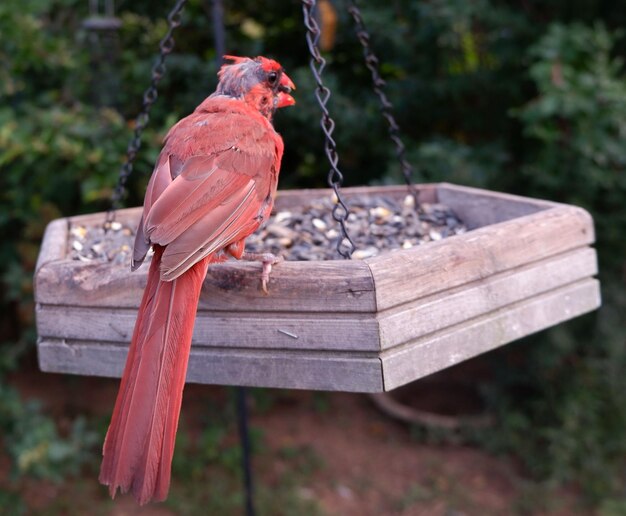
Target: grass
(208, 478)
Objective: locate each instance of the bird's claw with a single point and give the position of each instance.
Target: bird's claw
(267, 269)
(268, 260)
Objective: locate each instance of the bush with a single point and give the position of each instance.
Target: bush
(565, 412)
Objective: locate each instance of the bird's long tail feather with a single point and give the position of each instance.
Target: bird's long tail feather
(138, 449)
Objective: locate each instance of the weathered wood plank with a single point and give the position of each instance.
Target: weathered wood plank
(288, 371)
(75, 283)
(404, 276)
(433, 313)
(478, 208)
(333, 372)
(328, 371)
(328, 286)
(289, 199)
(443, 349)
(315, 286)
(286, 330)
(54, 244)
(279, 331)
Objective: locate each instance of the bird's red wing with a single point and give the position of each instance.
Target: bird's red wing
(213, 179)
(230, 222)
(200, 186)
(161, 178)
(204, 209)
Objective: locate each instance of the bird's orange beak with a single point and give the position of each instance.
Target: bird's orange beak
(285, 87)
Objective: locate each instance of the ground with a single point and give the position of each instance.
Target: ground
(315, 454)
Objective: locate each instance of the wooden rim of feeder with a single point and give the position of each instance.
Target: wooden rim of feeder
(350, 325)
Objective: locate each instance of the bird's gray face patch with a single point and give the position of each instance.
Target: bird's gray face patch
(239, 78)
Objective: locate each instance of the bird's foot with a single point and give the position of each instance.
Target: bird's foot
(268, 260)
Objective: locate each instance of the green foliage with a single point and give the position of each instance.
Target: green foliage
(613, 508)
(569, 423)
(58, 155)
(33, 442)
(32, 56)
(444, 159)
(579, 123)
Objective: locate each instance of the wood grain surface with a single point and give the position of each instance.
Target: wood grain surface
(362, 326)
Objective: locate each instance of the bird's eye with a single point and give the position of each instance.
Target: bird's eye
(272, 77)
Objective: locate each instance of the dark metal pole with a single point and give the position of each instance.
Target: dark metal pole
(219, 38)
(244, 436)
(219, 34)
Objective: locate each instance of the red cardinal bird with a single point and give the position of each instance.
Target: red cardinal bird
(213, 185)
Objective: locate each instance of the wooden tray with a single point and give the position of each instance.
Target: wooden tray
(362, 326)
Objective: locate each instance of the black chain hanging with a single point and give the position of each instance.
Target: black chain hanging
(345, 245)
(386, 108)
(166, 45)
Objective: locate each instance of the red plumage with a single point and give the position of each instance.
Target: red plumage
(213, 185)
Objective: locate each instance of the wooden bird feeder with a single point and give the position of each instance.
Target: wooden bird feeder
(344, 325)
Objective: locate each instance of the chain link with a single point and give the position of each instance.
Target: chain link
(166, 45)
(386, 108)
(340, 212)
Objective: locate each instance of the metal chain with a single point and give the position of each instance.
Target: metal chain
(345, 245)
(386, 108)
(166, 45)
